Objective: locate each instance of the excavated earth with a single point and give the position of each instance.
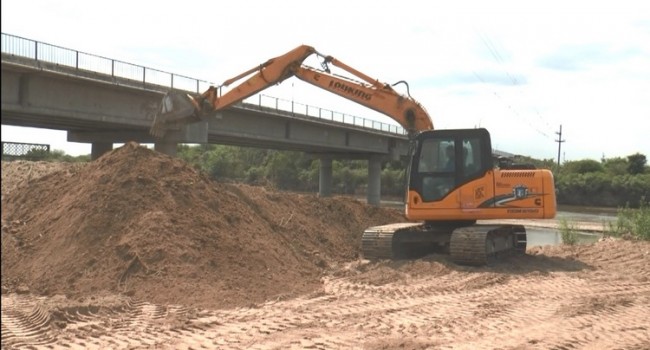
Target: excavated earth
(138, 250)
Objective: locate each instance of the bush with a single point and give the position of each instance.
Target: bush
(635, 222)
(601, 189)
(636, 164)
(569, 232)
(583, 166)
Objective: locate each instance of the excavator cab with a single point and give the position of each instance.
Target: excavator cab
(453, 178)
(444, 160)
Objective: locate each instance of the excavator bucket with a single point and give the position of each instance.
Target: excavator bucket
(175, 107)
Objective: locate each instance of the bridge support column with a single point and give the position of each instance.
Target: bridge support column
(166, 146)
(374, 181)
(191, 133)
(100, 148)
(325, 177)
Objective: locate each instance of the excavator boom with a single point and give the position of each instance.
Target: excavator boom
(379, 97)
(179, 107)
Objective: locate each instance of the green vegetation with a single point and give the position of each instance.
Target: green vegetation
(568, 232)
(52, 156)
(613, 182)
(633, 222)
(287, 170)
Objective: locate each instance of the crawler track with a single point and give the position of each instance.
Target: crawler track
(377, 242)
(470, 245)
(481, 244)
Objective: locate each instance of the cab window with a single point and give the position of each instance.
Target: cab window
(472, 164)
(437, 155)
(437, 166)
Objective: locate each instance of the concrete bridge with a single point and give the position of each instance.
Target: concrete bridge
(104, 101)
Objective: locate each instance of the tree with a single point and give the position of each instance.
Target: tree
(54, 156)
(583, 166)
(636, 163)
(281, 168)
(549, 163)
(615, 166)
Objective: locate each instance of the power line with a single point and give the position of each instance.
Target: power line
(514, 81)
(491, 48)
(513, 110)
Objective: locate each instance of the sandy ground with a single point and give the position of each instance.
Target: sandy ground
(589, 296)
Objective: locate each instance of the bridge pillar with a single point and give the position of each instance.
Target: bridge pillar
(325, 177)
(374, 181)
(166, 146)
(190, 133)
(98, 149)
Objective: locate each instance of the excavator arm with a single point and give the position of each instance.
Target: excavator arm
(180, 108)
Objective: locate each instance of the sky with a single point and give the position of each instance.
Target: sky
(521, 69)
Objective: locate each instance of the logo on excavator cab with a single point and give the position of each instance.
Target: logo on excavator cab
(520, 191)
(350, 90)
(479, 192)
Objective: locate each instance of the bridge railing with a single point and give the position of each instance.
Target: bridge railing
(78, 60)
(28, 48)
(322, 113)
(20, 150)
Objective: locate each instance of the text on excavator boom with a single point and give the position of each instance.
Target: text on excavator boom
(178, 108)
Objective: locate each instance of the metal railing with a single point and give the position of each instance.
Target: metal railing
(82, 61)
(321, 113)
(19, 150)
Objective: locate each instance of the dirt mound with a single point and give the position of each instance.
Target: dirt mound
(20, 173)
(150, 226)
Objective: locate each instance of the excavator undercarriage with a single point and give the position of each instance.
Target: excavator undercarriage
(466, 245)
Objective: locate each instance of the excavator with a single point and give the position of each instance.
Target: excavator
(457, 198)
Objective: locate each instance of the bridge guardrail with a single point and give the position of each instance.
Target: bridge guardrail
(20, 150)
(82, 61)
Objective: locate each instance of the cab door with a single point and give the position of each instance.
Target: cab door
(476, 173)
(444, 160)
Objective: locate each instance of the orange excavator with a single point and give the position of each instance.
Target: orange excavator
(453, 181)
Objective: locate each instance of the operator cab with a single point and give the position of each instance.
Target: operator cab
(445, 159)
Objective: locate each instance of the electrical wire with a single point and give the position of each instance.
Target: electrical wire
(515, 82)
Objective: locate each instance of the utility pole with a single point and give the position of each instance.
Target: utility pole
(559, 144)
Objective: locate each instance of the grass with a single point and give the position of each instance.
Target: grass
(568, 232)
(632, 222)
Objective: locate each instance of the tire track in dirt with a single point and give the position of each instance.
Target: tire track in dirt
(24, 323)
(537, 303)
(489, 310)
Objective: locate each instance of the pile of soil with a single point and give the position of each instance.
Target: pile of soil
(19, 173)
(150, 226)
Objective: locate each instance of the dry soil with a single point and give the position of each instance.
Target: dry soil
(138, 250)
